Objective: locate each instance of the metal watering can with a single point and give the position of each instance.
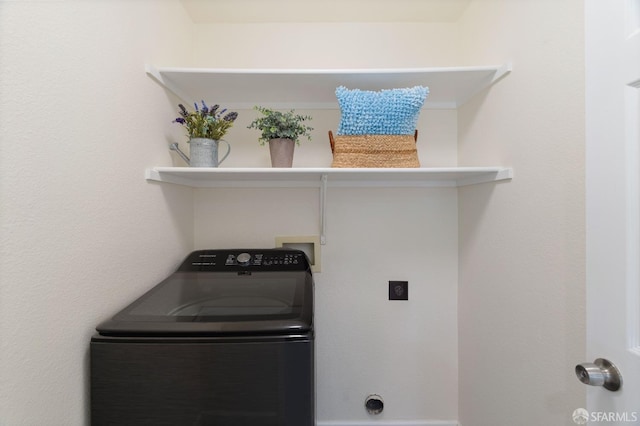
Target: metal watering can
(204, 152)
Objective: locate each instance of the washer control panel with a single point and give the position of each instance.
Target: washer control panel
(232, 260)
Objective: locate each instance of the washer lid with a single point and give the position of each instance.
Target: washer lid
(220, 303)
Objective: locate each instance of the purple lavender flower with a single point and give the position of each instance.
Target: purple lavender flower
(231, 116)
(204, 122)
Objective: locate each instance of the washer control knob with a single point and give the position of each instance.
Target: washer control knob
(244, 259)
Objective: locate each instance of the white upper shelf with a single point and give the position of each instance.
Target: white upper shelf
(315, 89)
(312, 177)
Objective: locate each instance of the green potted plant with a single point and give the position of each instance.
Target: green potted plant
(282, 130)
(205, 127)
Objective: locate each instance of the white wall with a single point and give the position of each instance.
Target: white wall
(82, 233)
(326, 45)
(365, 343)
(522, 247)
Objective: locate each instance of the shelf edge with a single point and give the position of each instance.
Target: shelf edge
(499, 175)
(336, 177)
(500, 73)
(312, 71)
(156, 75)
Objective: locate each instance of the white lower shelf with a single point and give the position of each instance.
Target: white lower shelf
(314, 177)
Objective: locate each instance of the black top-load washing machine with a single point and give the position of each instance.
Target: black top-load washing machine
(226, 340)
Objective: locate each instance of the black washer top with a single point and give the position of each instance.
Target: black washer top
(224, 293)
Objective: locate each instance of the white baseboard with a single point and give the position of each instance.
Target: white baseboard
(389, 423)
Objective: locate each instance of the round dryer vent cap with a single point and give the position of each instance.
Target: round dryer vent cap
(374, 404)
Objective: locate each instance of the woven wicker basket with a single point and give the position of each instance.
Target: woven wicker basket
(374, 150)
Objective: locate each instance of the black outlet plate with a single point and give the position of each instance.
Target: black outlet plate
(398, 290)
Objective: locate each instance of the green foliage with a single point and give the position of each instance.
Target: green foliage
(276, 124)
(205, 122)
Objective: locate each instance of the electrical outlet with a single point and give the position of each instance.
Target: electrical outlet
(398, 290)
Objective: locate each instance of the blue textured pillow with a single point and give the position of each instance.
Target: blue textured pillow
(387, 112)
